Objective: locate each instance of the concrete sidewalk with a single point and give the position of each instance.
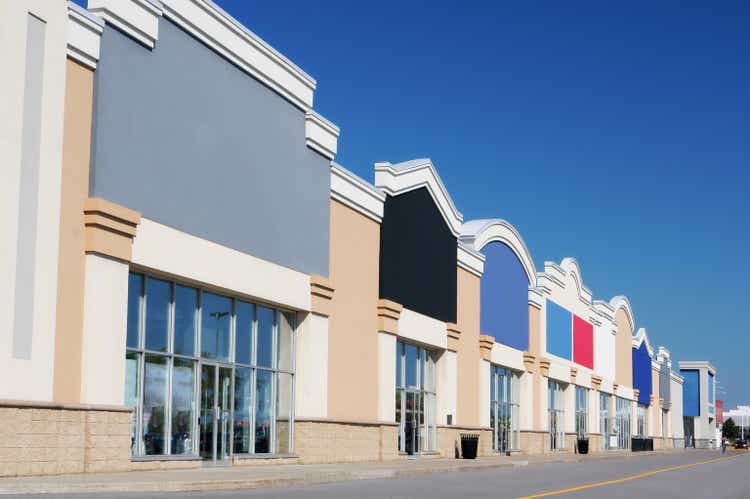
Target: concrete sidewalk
(254, 477)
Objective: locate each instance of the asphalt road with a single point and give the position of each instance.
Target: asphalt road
(692, 475)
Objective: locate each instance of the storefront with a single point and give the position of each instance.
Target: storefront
(556, 415)
(207, 374)
(416, 407)
(504, 409)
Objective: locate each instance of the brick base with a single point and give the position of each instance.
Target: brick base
(322, 441)
(533, 442)
(53, 440)
(449, 440)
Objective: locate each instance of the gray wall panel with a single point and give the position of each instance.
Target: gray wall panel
(28, 196)
(193, 142)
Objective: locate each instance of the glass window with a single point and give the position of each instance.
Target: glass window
(556, 415)
(412, 365)
(154, 404)
(286, 329)
(243, 380)
(243, 407)
(265, 337)
(183, 406)
(283, 413)
(131, 393)
(582, 407)
(157, 314)
(185, 306)
(416, 407)
(135, 291)
(641, 424)
(243, 341)
(216, 316)
(263, 398)
(504, 409)
(604, 420)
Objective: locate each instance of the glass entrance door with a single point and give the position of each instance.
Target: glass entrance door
(215, 415)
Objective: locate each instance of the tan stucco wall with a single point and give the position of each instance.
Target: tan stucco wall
(623, 350)
(535, 330)
(468, 356)
(75, 182)
(353, 327)
(535, 346)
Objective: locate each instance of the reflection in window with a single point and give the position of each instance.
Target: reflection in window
(265, 336)
(162, 387)
(243, 342)
(263, 411)
(216, 315)
(243, 441)
(416, 406)
(157, 314)
(154, 404)
(183, 406)
(135, 291)
(185, 303)
(285, 348)
(131, 392)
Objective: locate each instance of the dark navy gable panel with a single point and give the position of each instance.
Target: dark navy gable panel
(691, 394)
(418, 256)
(642, 374)
(193, 142)
(504, 297)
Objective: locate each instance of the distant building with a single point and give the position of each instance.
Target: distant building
(719, 413)
(698, 403)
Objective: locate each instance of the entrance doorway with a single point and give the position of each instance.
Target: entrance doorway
(215, 415)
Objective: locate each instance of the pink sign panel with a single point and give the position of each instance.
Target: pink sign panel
(583, 342)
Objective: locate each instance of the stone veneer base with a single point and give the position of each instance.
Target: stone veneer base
(49, 440)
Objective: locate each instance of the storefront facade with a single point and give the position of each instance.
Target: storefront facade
(225, 293)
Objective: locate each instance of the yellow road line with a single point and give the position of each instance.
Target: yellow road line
(626, 479)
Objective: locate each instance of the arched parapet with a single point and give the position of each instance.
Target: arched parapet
(563, 283)
(507, 281)
(479, 233)
(621, 302)
(640, 338)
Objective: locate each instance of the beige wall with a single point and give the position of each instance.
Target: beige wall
(535, 331)
(75, 181)
(353, 327)
(29, 277)
(467, 319)
(623, 350)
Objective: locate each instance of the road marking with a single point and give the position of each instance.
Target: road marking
(627, 478)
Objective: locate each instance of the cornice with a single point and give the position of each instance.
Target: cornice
(479, 233)
(84, 36)
(356, 193)
(470, 260)
(321, 135)
(400, 178)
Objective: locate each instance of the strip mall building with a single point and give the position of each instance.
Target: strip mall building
(193, 278)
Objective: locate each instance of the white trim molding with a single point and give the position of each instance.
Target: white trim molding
(207, 22)
(321, 135)
(84, 35)
(180, 255)
(536, 297)
(622, 302)
(470, 260)
(479, 233)
(639, 338)
(505, 356)
(356, 193)
(220, 31)
(400, 178)
(422, 329)
(136, 18)
(697, 364)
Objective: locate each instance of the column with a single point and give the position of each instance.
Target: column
(389, 313)
(311, 390)
(109, 233)
(485, 353)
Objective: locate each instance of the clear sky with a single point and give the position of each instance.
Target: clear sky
(618, 134)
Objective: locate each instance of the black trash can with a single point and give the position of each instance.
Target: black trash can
(583, 445)
(650, 444)
(469, 445)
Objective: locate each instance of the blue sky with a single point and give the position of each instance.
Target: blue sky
(616, 134)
